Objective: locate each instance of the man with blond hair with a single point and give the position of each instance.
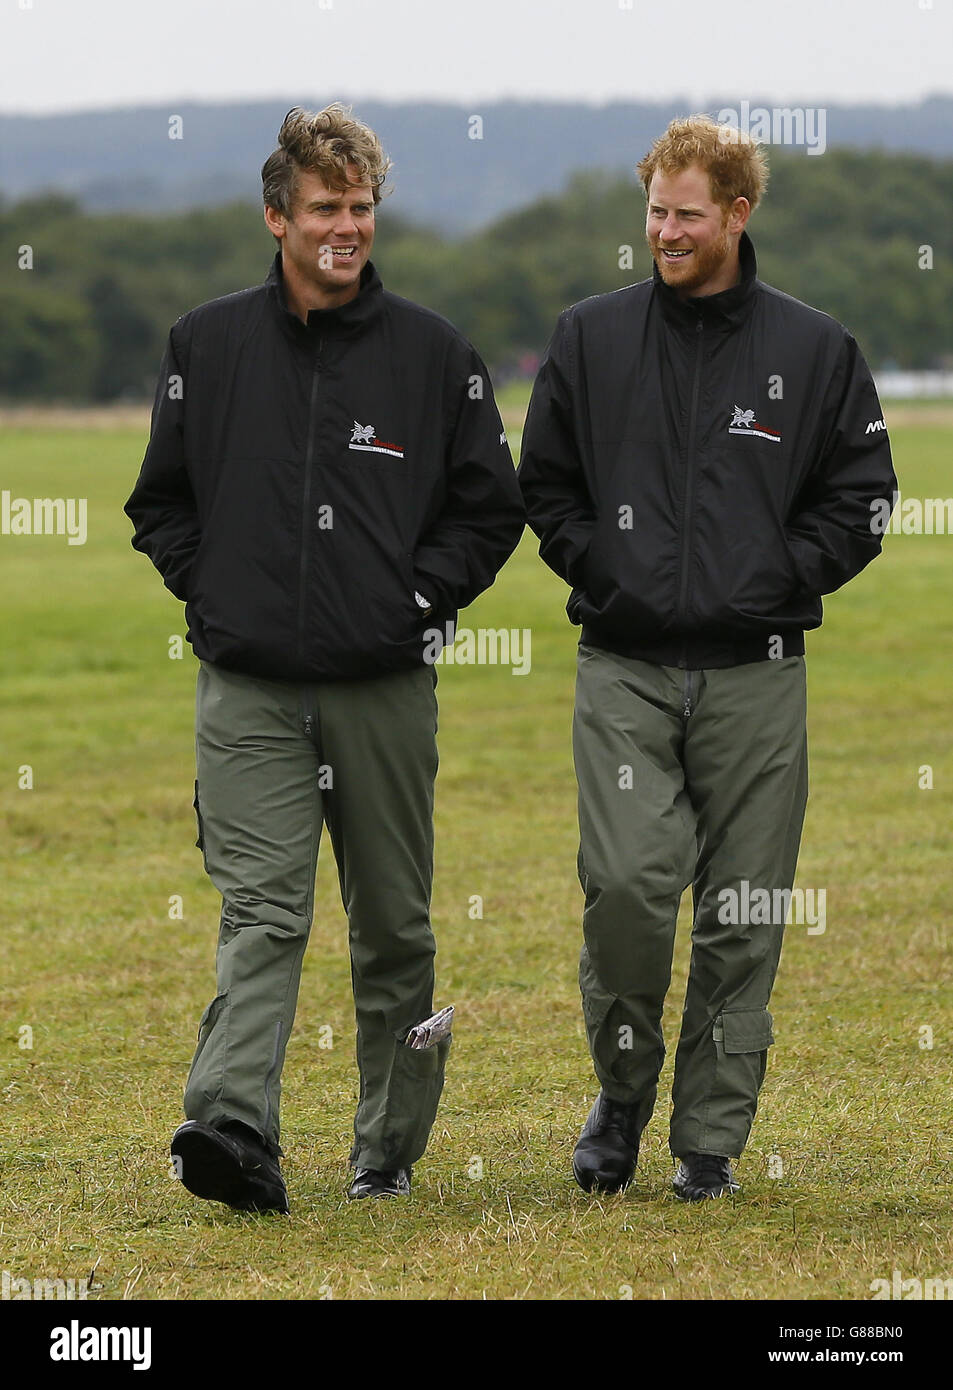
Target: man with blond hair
(327, 478)
(700, 461)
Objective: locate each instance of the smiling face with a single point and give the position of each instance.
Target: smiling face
(326, 243)
(693, 240)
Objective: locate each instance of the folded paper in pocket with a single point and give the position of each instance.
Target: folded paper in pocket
(432, 1030)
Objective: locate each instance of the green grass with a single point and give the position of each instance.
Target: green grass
(857, 1111)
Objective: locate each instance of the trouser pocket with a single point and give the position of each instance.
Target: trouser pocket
(746, 1035)
(743, 1031)
(716, 1117)
(413, 1094)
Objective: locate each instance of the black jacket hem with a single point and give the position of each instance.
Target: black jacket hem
(691, 654)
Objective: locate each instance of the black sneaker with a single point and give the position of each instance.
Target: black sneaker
(231, 1165)
(604, 1159)
(372, 1182)
(704, 1175)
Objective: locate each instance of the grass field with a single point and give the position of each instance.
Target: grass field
(856, 1115)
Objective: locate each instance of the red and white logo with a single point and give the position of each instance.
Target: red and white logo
(364, 439)
(743, 422)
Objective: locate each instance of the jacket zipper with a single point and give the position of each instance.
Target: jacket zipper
(306, 505)
(689, 499)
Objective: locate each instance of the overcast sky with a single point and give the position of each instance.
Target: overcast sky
(61, 55)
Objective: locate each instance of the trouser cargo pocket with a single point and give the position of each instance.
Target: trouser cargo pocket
(413, 1094)
(743, 1030)
(717, 1081)
(741, 1039)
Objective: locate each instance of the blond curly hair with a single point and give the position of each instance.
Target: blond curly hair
(735, 163)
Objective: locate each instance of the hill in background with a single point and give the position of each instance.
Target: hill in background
(123, 159)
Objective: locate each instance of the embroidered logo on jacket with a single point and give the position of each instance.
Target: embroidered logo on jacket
(743, 422)
(364, 438)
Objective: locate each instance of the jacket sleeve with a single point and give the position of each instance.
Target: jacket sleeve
(836, 526)
(559, 508)
(162, 506)
(482, 516)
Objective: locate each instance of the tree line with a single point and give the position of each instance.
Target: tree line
(86, 300)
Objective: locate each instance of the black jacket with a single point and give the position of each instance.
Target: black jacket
(303, 481)
(702, 470)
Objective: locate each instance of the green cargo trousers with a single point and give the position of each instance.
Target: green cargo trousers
(275, 761)
(686, 777)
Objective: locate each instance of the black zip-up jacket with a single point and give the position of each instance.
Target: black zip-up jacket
(303, 482)
(702, 470)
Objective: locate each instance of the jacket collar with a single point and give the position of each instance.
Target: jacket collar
(727, 308)
(347, 319)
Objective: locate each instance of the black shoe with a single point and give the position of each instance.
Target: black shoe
(605, 1157)
(230, 1165)
(704, 1175)
(371, 1182)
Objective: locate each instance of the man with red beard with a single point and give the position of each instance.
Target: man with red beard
(701, 461)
